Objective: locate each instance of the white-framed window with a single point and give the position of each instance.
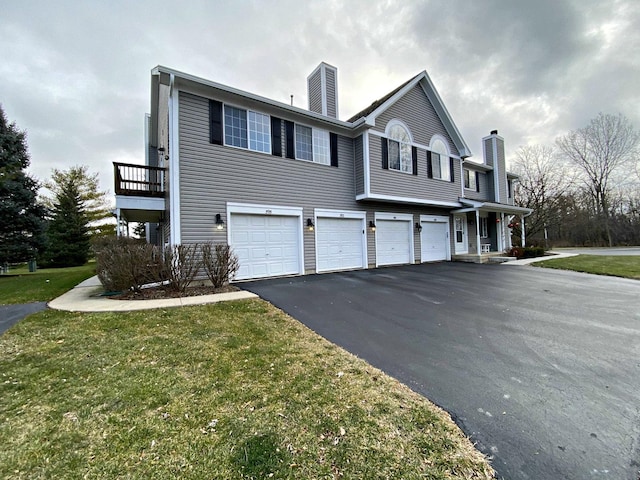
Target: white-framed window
(470, 179)
(399, 150)
(440, 164)
(484, 227)
(247, 129)
(313, 144)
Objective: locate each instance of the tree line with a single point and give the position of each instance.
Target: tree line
(56, 229)
(585, 189)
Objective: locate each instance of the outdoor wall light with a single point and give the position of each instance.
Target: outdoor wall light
(219, 222)
(372, 226)
(418, 227)
(310, 224)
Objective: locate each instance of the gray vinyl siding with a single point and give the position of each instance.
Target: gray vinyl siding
(330, 77)
(359, 165)
(314, 87)
(416, 111)
(502, 172)
(401, 184)
(483, 194)
(488, 156)
(211, 175)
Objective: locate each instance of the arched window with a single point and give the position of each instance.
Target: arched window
(440, 163)
(399, 147)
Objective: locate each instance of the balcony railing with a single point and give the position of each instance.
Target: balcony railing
(138, 180)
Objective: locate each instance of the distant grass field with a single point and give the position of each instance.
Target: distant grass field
(42, 285)
(235, 390)
(613, 265)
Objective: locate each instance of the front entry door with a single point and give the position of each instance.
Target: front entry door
(460, 233)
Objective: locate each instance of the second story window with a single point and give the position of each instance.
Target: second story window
(440, 162)
(312, 144)
(470, 179)
(400, 149)
(247, 129)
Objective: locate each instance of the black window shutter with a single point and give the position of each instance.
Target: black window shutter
(385, 154)
(414, 159)
(290, 136)
(451, 164)
(333, 143)
(429, 166)
(276, 136)
(215, 122)
(477, 181)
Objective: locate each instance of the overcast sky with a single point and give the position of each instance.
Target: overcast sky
(76, 74)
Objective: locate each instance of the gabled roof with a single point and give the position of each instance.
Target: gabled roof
(379, 106)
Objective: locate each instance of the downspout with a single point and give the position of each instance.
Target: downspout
(522, 236)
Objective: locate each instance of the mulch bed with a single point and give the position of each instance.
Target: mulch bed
(163, 292)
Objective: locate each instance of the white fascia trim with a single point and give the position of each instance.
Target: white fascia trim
(463, 148)
(399, 94)
(174, 168)
(258, 98)
(256, 209)
(366, 164)
(418, 145)
(329, 213)
(410, 200)
(259, 209)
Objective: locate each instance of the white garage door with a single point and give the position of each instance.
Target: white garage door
(339, 243)
(266, 245)
(393, 242)
(434, 241)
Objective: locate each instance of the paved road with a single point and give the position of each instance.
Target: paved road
(540, 367)
(617, 251)
(12, 314)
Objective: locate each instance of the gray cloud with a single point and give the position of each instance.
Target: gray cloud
(75, 74)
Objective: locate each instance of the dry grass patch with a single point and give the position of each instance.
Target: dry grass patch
(233, 390)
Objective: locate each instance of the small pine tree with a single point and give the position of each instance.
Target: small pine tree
(68, 228)
(21, 216)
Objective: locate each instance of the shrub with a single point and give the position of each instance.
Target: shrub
(127, 264)
(220, 263)
(181, 265)
(526, 252)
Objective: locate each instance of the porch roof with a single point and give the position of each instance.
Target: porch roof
(473, 205)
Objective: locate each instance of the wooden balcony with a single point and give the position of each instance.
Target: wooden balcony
(139, 180)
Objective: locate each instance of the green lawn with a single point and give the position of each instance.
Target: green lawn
(42, 285)
(231, 390)
(617, 266)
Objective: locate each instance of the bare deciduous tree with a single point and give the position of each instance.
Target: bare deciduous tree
(600, 150)
(544, 179)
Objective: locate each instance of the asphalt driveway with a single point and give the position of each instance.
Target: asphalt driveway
(541, 368)
(12, 314)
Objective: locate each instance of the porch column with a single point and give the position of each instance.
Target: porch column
(117, 222)
(502, 234)
(522, 235)
(478, 246)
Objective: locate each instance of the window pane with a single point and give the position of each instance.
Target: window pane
(235, 126)
(445, 168)
(304, 150)
(406, 161)
(397, 132)
(435, 165)
(259, 132)
(467, 174)
(394, 155)
(321, 148)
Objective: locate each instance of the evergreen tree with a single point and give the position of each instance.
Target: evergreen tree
(68, 229)
(21, 217)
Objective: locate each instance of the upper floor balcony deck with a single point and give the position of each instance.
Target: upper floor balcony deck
(139, 180)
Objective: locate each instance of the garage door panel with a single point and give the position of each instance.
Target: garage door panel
(434, 241)
(266, 245)
(339, 243)
(393, 242)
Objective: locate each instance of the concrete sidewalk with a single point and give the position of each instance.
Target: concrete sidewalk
(527, 261)
(85, 297)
